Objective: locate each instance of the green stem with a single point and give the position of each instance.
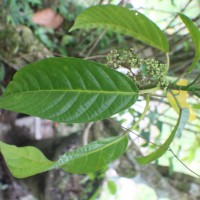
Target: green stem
(153, 88)
(179, 78)
(177, 101)
(149, 90)
(181, 87)
(194, 81)
(143, 113)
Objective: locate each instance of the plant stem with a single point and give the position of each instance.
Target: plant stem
(143, 113)
(168, 62)
(152, 88)
(194, 81)
(177, 101)
(149, 90)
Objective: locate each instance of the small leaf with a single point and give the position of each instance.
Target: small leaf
(24, 161)
(69, 90)
(182, 120)
(94, 156)
(182, 99)
(122, 20)
(195, 34)
(112, 187)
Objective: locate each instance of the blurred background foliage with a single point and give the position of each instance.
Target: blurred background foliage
(35, 29)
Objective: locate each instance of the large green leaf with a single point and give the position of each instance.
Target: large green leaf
(94, 156)
(122, 20)
(24, 161)
(195, 34)
(182, 120)
(69, 90)
(28, 161)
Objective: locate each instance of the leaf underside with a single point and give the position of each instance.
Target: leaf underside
(92, 157)
(125, 21)
(69, 90)
(24, 161)
(182, 120)
(195, 34)
(28, 161)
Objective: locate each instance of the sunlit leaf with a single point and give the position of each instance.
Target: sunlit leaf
(69, 90)
(24, 161)
(182, 120)
(28, 161)
(195, 34)
(94, 156)
(122, 20)
(112, 187)
(182, 98)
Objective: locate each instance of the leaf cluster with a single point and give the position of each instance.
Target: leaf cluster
(74, 90)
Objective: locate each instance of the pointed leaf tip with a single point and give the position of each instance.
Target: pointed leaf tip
(69, 90)
(182, 120)
(94, 156)
(125, 21)
(195, 35)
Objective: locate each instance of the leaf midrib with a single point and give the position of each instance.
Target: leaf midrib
(94, 151)
(76, 91)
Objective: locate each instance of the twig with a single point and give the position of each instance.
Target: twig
(95, 57)
(140, 136)
(175, 98)
(194, 81)
(182, 10)
(167, 61)
(86, 133)
(183, 163)
(143, 114)
(95, 44)
(160, 146)
(8, 63)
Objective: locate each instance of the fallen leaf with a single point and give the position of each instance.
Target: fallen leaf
(48, 18)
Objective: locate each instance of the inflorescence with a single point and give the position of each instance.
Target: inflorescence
(142, 71)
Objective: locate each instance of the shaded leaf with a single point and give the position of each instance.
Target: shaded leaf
(94, 156)
(195, 34)
(24, 161)
(28, 161)
(122, 20)
(182, 120)
(69, 90)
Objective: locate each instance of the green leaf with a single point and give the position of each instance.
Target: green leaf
(112, 187)
(195, 34)
(94, 156)
(182, 120)
(69, 90)
(28, 161)
(24, 161)
(122, 20)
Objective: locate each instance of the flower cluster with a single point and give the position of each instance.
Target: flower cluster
(142, 71)
(126, 59)
(157, 71)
